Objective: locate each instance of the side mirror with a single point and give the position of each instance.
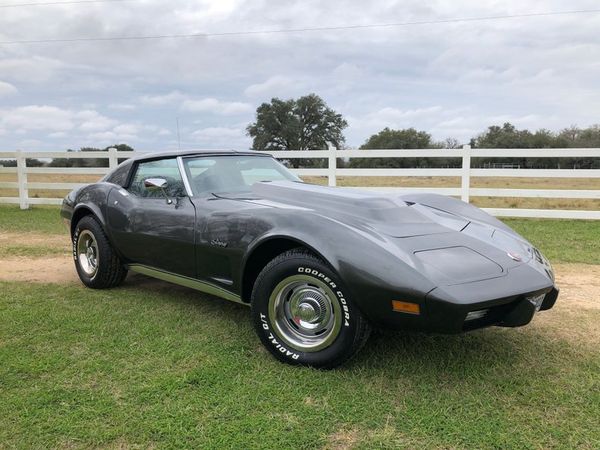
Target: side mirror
(157, 184)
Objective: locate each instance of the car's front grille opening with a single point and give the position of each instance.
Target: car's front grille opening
(486, 317)
(475, 315)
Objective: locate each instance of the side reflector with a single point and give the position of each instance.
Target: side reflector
(406, 307)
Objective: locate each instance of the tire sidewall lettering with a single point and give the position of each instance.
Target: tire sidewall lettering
(75, 238)
(274, 340)
(340, 295)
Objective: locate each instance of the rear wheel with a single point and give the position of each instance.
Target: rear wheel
(97, 264)
(302, 313)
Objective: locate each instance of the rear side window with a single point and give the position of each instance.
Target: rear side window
(120, 174)
(162, 168)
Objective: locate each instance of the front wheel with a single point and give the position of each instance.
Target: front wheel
(302, 312)
(97, 264)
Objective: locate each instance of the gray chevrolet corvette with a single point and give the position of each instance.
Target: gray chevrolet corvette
(319, 266)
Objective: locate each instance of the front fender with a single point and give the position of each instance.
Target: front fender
(374, 270)
(91, 199)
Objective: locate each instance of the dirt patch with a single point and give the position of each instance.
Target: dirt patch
(54, 269)
(343, 439)
(36, 239)
(570, 319)
(579, 285)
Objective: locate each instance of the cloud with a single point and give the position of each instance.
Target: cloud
(86, 127)
(396, 118)
(221, 137)
(122, 106)
(37, 117)
(190, 104)
(32, 68)
(162, 99)
(212, 105)
(7, 89)
(275, 86)
(94, 121)
(217, 132)
(399, 118)
(127, 128)
(540, 71)
(30, 143)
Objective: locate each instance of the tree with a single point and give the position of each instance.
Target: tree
(451, 143)
(89, 162)
(302, 124)
(508, 136)
(575, 137)
(408, 138)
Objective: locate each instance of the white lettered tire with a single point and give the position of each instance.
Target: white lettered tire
(302, 312)
(96, 262)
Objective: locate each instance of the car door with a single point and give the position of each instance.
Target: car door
(221, 223)
(153, 227)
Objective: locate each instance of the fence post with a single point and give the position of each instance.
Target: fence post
(22, 180)
(331, 166)
(465, 181)
(113, 161)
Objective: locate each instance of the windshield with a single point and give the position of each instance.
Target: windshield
(219, 174)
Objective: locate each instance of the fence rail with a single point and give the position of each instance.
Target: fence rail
(465, 172)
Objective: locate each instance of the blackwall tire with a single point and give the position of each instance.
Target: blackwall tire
(96, 262)
(302, 312)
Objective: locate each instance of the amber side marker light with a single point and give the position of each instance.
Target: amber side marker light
(406, 307)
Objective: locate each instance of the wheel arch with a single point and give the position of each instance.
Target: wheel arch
(86, 209)
(263, 252)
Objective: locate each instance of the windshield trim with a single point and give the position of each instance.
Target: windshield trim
(184, 177)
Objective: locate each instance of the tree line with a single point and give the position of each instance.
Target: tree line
(73, 162)
(308, 123)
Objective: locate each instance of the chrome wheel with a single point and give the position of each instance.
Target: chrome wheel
(87, 253)
(305, 312)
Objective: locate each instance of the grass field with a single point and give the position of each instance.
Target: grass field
(476, 182)
(151, 365)
(488, 183)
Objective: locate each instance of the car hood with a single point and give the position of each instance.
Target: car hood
(434, 234)
(389, 214)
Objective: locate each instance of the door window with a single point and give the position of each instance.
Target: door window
(162, 168)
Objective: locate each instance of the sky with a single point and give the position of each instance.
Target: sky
(452, 80)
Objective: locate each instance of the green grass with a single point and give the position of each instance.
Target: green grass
(32, 251)
(39, 219)
(153, 365)
(576, 241)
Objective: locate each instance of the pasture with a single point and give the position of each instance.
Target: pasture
(391, 181)
(153, 365)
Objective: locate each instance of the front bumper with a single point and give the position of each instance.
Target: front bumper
(512, 311)
(502, 301)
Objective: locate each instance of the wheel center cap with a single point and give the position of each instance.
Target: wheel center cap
(307, 312)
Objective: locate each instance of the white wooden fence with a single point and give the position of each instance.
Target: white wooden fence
(465, 191)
